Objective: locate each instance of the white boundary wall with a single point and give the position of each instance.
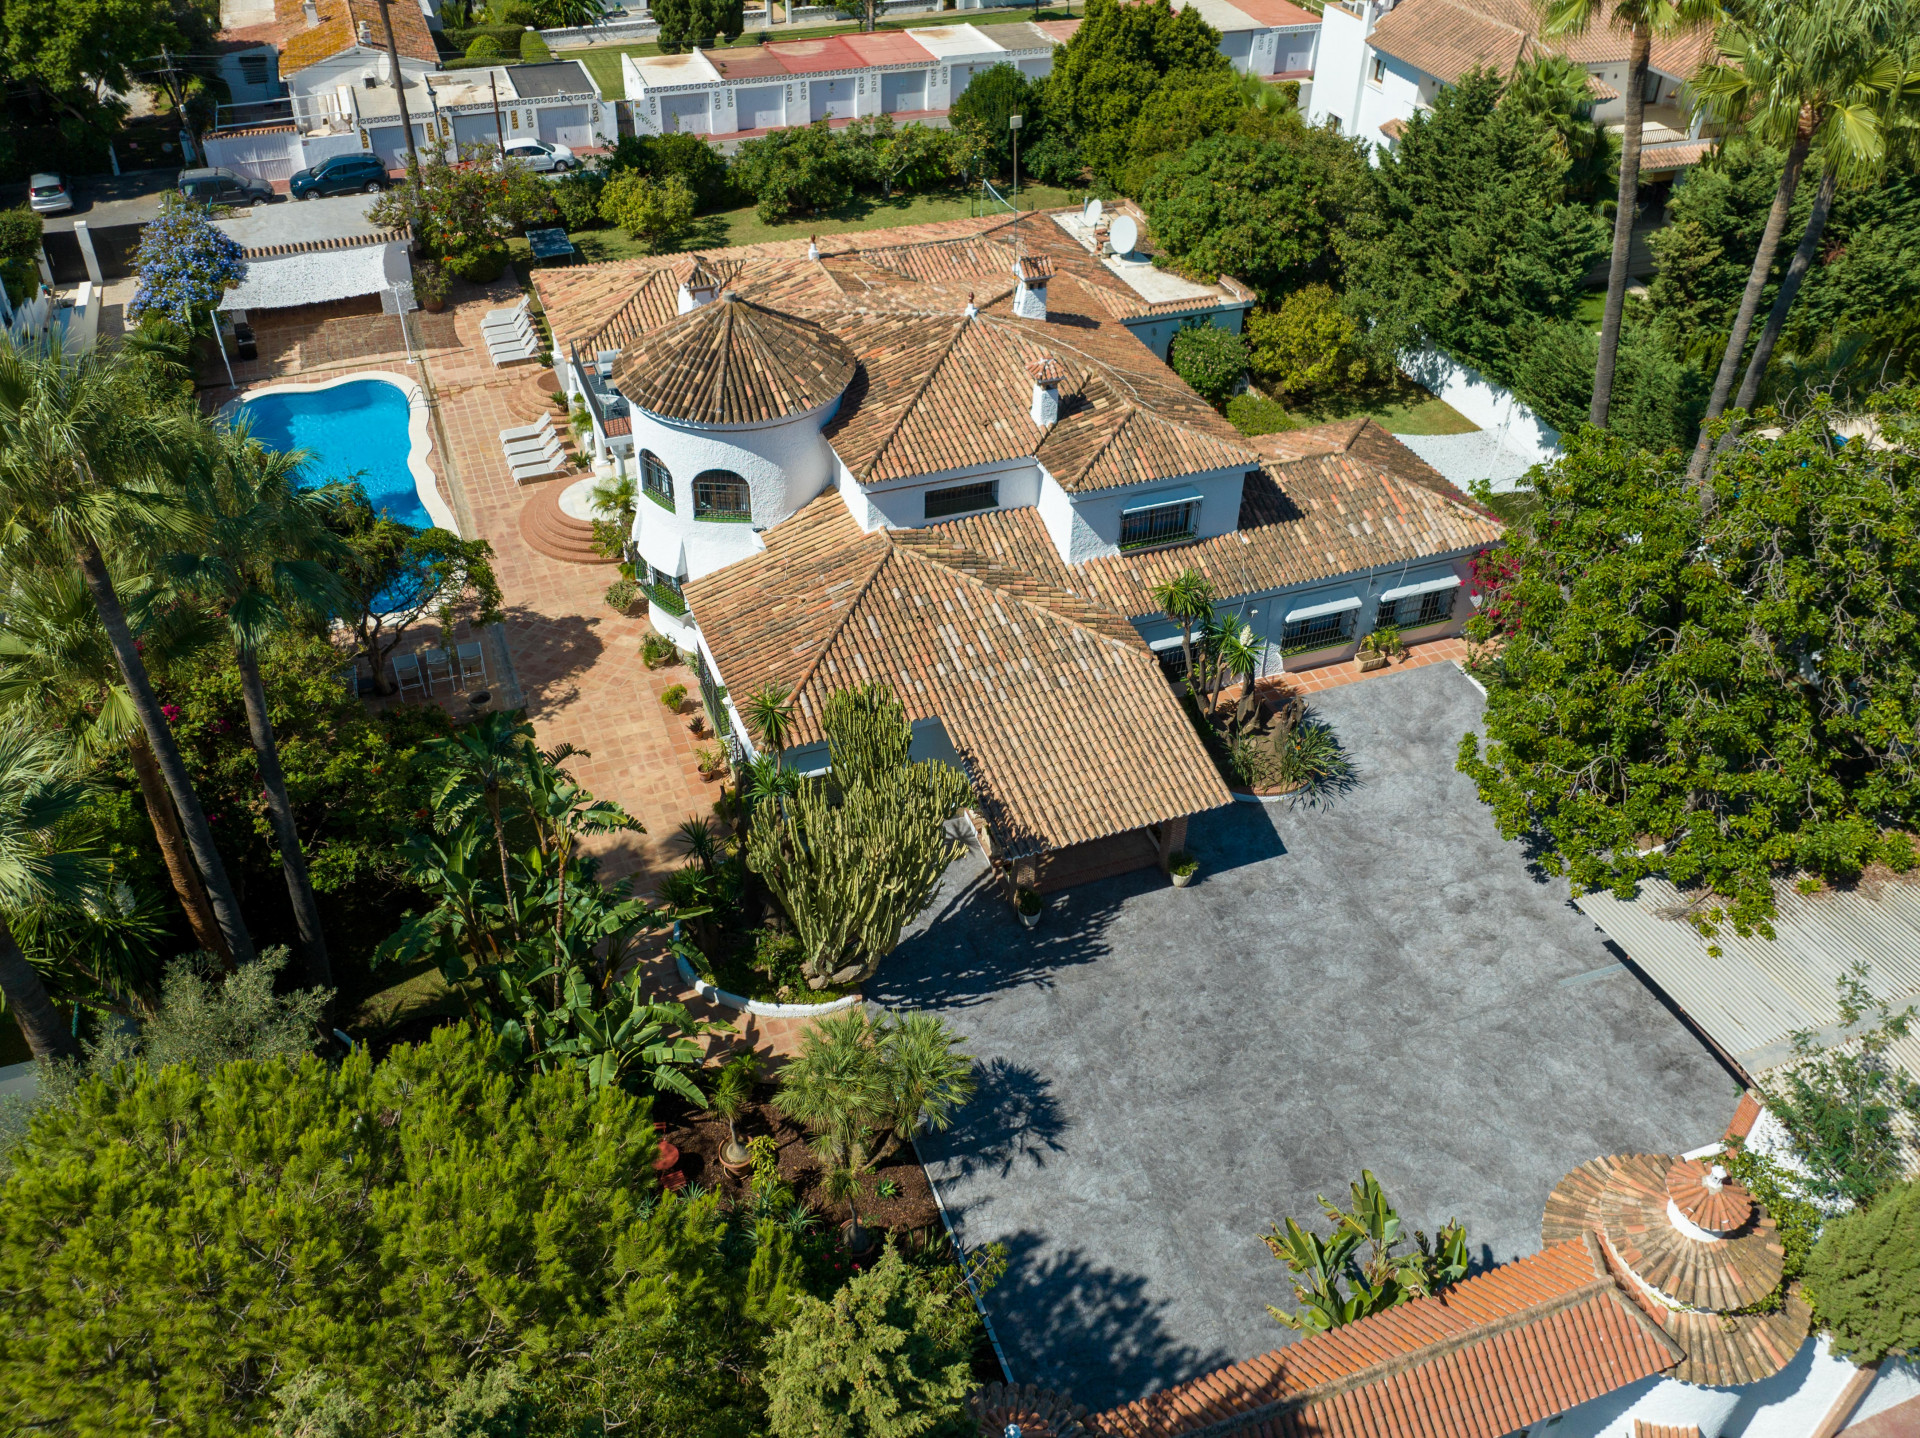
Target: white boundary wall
(1494, 409)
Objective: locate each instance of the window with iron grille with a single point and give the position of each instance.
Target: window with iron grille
(656, 480)
(1322, 631)
(963, 499)
(1415, 611)
(1163, 524)
(663, 589)
(721, 494)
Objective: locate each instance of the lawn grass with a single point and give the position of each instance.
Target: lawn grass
(414, 992)
(1402, 407)
(603, 61)
(743, 226)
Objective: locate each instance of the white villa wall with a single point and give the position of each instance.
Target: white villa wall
(1338, 60)
(1096, 533)
(784, 464)
(904, 505)
(1485, 403)
(351, 67)
(1791, 1404)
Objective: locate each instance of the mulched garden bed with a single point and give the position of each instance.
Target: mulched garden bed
(701, 1136)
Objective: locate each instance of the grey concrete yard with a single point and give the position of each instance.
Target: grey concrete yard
(1381, 982)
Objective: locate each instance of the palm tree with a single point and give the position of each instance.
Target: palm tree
(1798, 73)
(487, 756)
(37, 795)
(55, 660)
(1642, 20)
(1852, 145)
(83, 466)
(260, 555)
(1186, 599)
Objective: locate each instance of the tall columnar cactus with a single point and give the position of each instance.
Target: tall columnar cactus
(854, 855)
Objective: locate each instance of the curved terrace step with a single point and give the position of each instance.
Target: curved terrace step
(556, 534)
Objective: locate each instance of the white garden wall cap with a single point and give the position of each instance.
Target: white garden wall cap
(1331, 606)
(1427, 586)
(715, 995)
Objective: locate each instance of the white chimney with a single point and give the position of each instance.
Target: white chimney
(813, 249)
(366, 32)
(700, 287)
(312, 12)
(1030, 299)
(1046, 375)
(973, 310)
(1100, 233)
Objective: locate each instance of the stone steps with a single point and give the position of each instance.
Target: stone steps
(555, 534)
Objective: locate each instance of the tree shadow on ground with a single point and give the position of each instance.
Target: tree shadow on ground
(1335, 775)
(550, 652)
(1012, 1120)
(1072, 1323)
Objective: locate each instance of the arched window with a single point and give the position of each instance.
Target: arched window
(721, 494)
(656, 479)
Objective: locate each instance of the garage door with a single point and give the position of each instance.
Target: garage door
(759, 108)
(1299, 52)
(390, 145)
(477, 130)
(684, 115)
(566, 125)
(903, 90)
(830, 99)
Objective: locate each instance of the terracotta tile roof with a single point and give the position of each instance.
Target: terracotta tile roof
(732, 362)
(1062, 715)
(1393, 129)
(1366, 439)
(1707, 1198)
(1658, 158)
(807, 57)
(1278, 13)
(339, 30)
(1311, 519)
(1644, 1429)
(1038, 1412)
(1621, 1199)
(1486, 1358)
(1447, 38)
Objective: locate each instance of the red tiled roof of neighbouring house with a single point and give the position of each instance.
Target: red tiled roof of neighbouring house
(1281, 14)
(808, 57)
(1448, 38)
(1487, 1357)
(339, 29)
(1039, 691)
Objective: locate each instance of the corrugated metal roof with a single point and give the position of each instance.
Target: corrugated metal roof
(1757, 992)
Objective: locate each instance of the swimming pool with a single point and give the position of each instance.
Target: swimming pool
(366, 428)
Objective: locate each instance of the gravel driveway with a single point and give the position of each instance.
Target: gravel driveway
(1381, 982)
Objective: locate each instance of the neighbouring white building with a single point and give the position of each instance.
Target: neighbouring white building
(1380, 62)
(841, 447)
(339, 97)
(738, 92)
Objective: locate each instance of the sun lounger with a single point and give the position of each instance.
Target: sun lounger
(538, 430)
(539, 469)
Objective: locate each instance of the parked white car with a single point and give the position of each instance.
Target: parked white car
(48, 195)
(541, 155)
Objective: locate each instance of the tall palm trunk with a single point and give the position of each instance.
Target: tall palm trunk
(28, 1002)
(173, 849)
(1629, 202)
(286, 833)
(193, 819)
(1789, 287)
(1750, 300)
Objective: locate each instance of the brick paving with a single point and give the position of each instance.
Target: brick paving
(1335, 676)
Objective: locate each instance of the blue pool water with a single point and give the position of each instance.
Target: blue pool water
(354, 431)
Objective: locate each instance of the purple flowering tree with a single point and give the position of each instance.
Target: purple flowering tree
(185, 264)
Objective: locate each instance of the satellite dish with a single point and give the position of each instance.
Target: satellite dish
(1093, 212)
(1125, 234)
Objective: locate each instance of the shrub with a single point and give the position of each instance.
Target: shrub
(804, 170)
(1210, 359)
(657, 650)
(518, 13)
(576, 195)
(484, 47)
(657, 211)
(621, 594)
(1253, 413)
(185, 264)
(685, 23)
(1864, 1277)
(990, 98)
(696, 162)
(1309, 346)
(673, 696)
(430, 282)
(19, 242)
(533, 48)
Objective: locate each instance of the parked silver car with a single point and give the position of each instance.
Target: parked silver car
(48, 194)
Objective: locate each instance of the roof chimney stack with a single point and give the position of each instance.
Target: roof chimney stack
(813, 249)
(700, 287)
(1030, 299)
(312, 13)
(973, 310)
(1046, 375)
(366, 32)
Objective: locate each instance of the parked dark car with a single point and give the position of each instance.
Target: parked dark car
(341, 175)
(218, 186)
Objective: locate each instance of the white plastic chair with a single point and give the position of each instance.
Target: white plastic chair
(471, 658)
(438, 666)
(350, 680)
(406, 669)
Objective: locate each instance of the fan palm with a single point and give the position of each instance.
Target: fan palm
(260, 554)
(1642, 20)
(84, 467)
(1186, 599)
(55, 661)
(1805, 74)
(37, 794)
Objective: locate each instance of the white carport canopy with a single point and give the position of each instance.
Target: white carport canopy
(309, 279)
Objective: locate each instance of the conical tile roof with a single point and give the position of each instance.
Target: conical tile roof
(734, 362)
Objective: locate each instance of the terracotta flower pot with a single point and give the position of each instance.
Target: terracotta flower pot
(1371, 662)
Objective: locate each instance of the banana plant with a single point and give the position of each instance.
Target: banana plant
(1318, 1265)
(1354, 1272)
(652, 1040)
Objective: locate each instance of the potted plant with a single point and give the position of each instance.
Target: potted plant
(712, 761)
(1378, 648)
(430, 283)
(1181, 868)
(657, 650)
(673, 696)
(621, 594)
(1026, 903)
(732, 1095)
(698, 724)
